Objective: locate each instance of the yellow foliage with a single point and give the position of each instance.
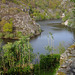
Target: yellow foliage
(7, 27)
(3, 1)
(61, 73)
(3, 22)
(73, 46)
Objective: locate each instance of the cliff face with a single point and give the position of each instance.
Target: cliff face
(22, 22)
(67, 62)
(69, 15)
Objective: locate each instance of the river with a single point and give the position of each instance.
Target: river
(61, 34)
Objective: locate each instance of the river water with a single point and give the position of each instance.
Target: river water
(61, 34)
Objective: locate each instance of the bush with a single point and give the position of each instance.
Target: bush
(1, 35)
(7, 27)
(11, 35)
(20, 71)
(3, 1)
(61, 48)
(57, 15)
(49, 61)
(7, 35)
(19, 34)
(36, 69)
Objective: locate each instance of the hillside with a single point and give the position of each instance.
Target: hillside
(17, 17)
(15, 22)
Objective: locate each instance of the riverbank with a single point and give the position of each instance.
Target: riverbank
(67, 62)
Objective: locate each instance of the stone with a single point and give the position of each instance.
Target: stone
(67, 62)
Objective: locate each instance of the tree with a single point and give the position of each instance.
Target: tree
(17, 54)
(7, 27)
(50, 48)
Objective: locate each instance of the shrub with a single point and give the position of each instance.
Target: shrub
(65, 18)
(61, 48)
(11, 35)
(57, 15)
(2, 6)
(19, 34)
(7, 27)
(1, 35)
(2, 22)
(69, 23)
(49, 61)
(3, 1)
(7, 35)
(36, 69)
(20, 71)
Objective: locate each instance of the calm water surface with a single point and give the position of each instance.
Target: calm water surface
(61, 34)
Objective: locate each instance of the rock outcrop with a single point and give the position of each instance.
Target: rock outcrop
(22, 22)
(67, 62)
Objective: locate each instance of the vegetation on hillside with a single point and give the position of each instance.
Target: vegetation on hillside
(70, 15)
(40, 10)
(16, 58)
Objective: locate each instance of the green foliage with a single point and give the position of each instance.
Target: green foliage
(49, 61)
(72, 0)
(19, 34)
(2, 22)
(3, 1)
(50, 47)
(47, 65)
(11, 35)
(65, 18)
(57, 15)
(20, 71)
(15, 1)
(2, 6)
(17, 55)
(69, 23)
(36, 69)
(61, 48)
(1, 35)
(53, 4)
(7, 27)
(7, 35)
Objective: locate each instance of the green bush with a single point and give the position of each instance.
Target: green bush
(49, 61)
(36, 69)
(7, 27)
(7, 35)
(65, 18)
(19, 34)
(3, 1)
(1, 35)
(20, 71)
(11, 35)
(57, 15)
(61, 48)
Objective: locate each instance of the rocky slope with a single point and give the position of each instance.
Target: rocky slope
(67, 62)
(68, 14)
(22, 22)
